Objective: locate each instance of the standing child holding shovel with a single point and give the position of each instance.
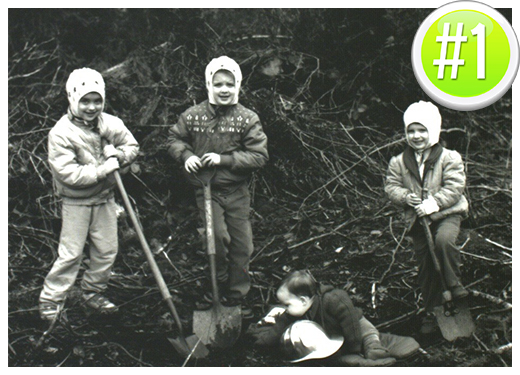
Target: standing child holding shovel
(223, 135)
(428, 180)
(82, 169)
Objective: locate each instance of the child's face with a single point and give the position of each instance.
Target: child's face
(417, 136)
(295, 305)
(90, 106)
(224, 89)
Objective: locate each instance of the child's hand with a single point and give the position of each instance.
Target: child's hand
(111, 165)
(413, 200)
(427, 207)
(193, 164)
(211, 159)
(270, 318)
(109, 151)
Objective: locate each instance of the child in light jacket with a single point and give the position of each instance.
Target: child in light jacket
(85, 147)
(222, 134)
(427, 180)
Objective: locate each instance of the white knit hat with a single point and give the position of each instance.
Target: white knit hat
(223, 63)
(426, 114)
(80, 83)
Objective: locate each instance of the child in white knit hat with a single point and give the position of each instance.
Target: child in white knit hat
(85, 146)
(429, 180)
(222, 134)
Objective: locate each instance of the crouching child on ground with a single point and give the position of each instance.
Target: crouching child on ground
(302, 298)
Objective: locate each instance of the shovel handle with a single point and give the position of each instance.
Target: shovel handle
(205, 181)
(163, 288)
(210, 237)
(431, 247)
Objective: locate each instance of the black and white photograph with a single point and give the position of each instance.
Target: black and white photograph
(253, 187)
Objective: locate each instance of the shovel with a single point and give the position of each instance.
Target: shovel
(220, 326)
(186, 346)
(453, 317)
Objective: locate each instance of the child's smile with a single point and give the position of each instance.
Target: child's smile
(224, 89)
(90, 106)
(417, 136)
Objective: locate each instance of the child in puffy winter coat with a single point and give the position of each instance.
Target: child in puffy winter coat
(223, 135)
(429, 180)
(85, 147)
(303, 298)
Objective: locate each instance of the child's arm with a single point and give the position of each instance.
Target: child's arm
(123, 141)
(179, 141)
(453, 181)
(340, 306)
(394, 187)
(68, 169)
(254, 153)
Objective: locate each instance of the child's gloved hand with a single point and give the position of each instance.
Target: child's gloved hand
(427, 207)
(110, 151)
(412, 200)
(193, 164)
(210, 159)
(108, 167)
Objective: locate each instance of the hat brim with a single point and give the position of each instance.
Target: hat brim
(332, 346)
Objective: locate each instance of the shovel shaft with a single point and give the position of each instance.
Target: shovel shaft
(163, 288)
(210, 236)
(431, 247)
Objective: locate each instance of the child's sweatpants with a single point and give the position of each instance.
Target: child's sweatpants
(99, 224)
(233, 237)
(445, 233)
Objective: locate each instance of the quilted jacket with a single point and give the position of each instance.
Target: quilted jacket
(444, 179)
(76, 152)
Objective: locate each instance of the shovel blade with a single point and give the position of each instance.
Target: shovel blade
(191, 346)
(219, 327)
(455, 325)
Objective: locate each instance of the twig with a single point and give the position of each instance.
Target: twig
(491, 298)
(495, 243)
(488, 350)
(504, 348)
(399, 318)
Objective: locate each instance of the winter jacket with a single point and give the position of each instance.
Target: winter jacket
(443, 176)
(76, 152)
(234, 132)
(332, 309)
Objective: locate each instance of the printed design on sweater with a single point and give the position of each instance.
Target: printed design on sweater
(203, 124)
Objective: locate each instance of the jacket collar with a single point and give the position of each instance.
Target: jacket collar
(411, 163)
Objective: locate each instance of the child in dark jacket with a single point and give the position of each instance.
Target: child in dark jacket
(303, 298)
(222, 134)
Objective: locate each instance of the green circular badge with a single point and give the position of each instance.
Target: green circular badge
(465, 55)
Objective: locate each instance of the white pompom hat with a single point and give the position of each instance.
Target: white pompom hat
(426, 114)
(223, 63)
(82, 82)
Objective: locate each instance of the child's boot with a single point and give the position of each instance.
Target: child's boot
(99, 303)
(373, 349)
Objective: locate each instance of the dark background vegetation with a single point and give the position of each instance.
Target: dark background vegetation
(330, 86)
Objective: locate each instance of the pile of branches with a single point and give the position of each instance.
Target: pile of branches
(330, 100)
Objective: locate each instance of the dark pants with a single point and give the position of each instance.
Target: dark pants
(445, 233)
(233, 238)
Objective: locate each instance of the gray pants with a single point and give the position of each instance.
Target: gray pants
(445, 233)
(99, 224)
(233, 238)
